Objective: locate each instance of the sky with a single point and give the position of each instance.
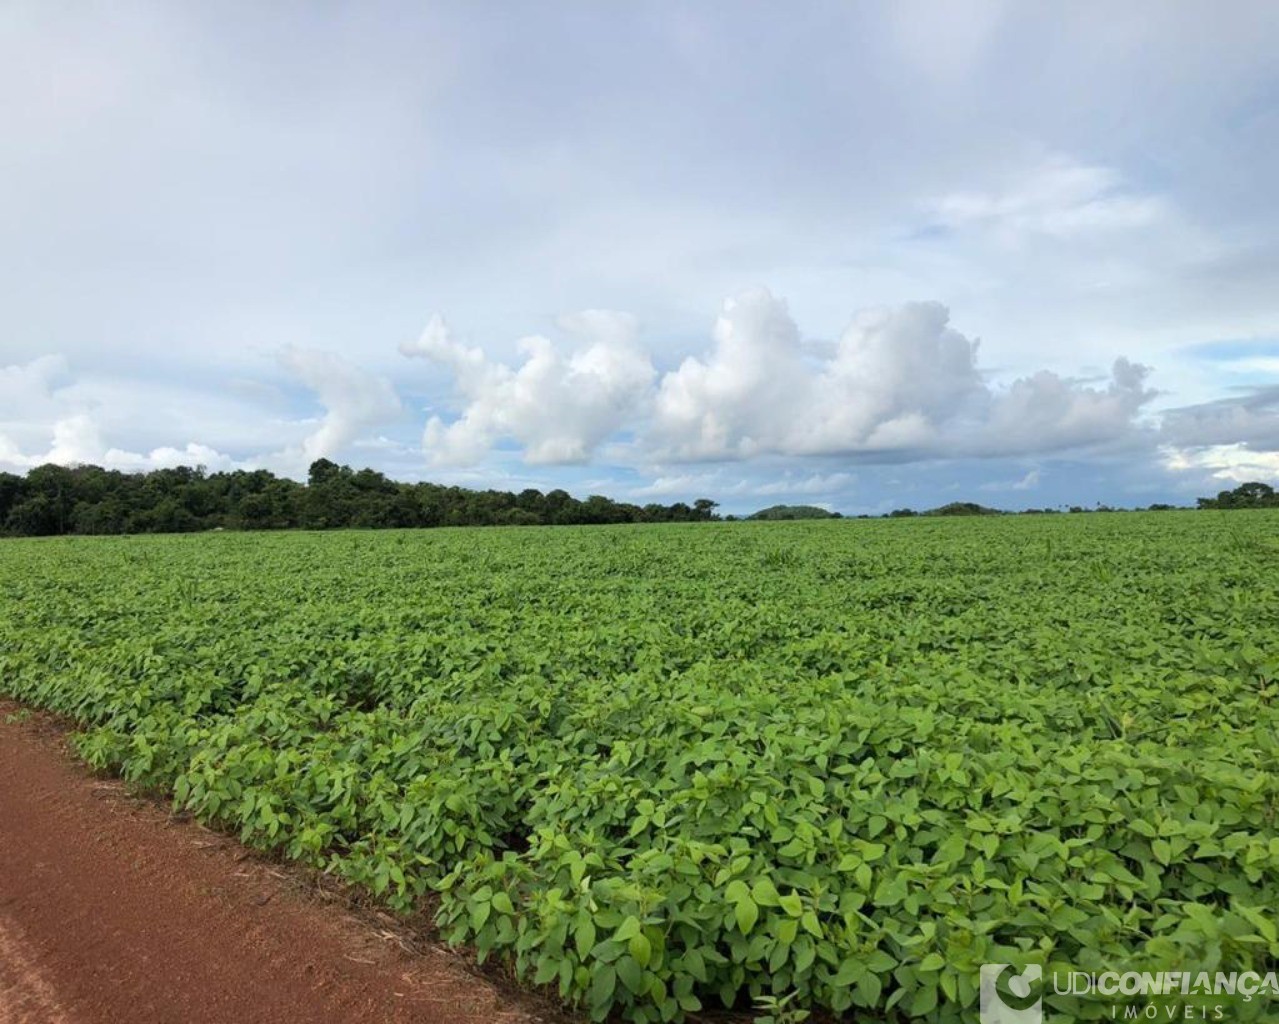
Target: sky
(858, 255)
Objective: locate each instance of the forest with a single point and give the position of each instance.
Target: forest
(54, 500)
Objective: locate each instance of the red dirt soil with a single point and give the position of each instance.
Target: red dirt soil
(113, 911)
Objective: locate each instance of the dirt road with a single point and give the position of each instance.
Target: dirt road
(111, 912)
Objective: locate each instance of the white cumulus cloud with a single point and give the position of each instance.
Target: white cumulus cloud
(1230, 463)
(353, 399)
(740, 399)
(558, 405)
(899, 384)
(48, 414)
(1046, 412)
(77, 440)
(897, 381)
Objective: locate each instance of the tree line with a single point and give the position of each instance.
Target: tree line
(1249, 495)
(51, 500)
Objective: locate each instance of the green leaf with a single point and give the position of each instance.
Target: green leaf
(869, 989)
(641, 949)
(584, 936)
(547, 969)
(765, 893)
(603, 982)
(792, 904)
(631, 974)
(849, 971)
(924, 1001)
(627, 929)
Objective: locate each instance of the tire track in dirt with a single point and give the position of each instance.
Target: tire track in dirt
(112, 911)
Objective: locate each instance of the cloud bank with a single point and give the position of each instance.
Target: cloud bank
(899, 384)
(46, 415)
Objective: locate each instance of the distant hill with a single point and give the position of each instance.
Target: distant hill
(955, 508)
(963, 508)
(794, 512)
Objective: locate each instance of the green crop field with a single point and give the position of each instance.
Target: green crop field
(667, 768)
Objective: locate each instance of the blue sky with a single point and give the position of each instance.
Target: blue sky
(860, 255)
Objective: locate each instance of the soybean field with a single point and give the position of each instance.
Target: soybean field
(665, 770)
